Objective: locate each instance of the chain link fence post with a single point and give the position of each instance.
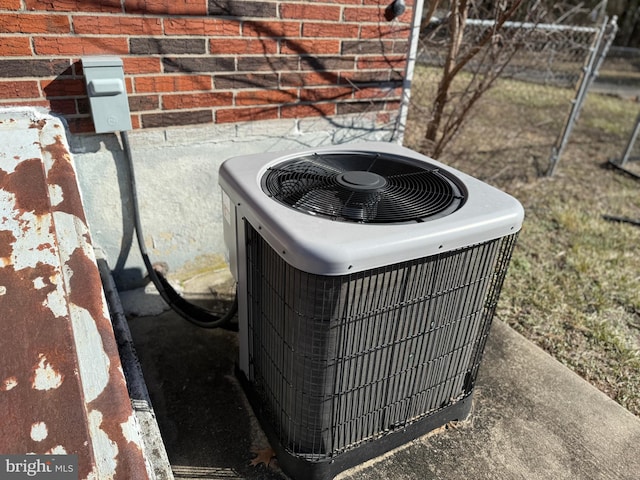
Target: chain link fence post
(598, 51)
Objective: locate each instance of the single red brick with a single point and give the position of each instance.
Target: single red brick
(201, 26)
(13, 46)
(304, 111)
(235, 115)
(330, 30)
(140, 103)
(387, 61)
(310, 12)
(172, 83)
(19, 89)
(74, 5)
(117, 25)
(10, 4)
(385, 31)
(63, 87)
(378, 92)
(137, 65)
(327, 63)
(223, 46)
(65, 106)
(80, 45)
(265, 29)
(325, 94)
(365, 14)
(168, 119)
(300, 79)
(171, 7)
(197, 100)
(310, 47)
(265, 97)
(34, 23)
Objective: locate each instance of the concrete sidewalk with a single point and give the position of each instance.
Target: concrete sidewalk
(532, 417)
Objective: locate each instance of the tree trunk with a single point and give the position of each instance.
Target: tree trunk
(457, 21)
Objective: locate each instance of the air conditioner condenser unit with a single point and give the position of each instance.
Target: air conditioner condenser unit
(367, 278)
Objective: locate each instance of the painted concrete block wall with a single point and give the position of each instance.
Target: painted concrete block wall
(177, 180)
(206, 80)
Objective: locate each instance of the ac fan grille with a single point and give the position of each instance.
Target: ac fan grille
(337, 361)
(386, 189)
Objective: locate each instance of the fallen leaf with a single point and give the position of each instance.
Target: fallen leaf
(262, 455)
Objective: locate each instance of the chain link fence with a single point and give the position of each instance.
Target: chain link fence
(526, 63)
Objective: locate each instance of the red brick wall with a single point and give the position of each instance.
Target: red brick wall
(201, 61)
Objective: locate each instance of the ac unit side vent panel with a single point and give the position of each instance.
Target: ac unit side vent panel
(337, 361)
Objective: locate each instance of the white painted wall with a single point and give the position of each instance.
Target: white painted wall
(177, 177)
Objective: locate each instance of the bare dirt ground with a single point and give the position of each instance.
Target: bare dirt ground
(574, 281)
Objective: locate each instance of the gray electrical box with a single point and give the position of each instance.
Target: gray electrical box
(104, 77)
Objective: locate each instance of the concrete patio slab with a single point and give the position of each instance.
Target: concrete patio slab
(532, 418)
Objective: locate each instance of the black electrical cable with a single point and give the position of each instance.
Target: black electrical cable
(187, 310)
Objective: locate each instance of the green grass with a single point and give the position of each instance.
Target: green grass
(574, 281)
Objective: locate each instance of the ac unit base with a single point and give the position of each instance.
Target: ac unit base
(297, 466)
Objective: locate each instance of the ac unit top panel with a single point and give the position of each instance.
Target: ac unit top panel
(321, 245)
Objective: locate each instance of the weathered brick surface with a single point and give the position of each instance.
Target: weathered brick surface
(271, 29)
(10, 4)
(326, 94)
(62, 87)
(197, 100)
(268, 64)
(305, 11)
(202, 26)
(34, 23)
(266, 97)
(74, 5)
(33, 68)
(234, 115)
(14, 46)
(310, 47)
(167, 46)
(243, 8)
(49, 46)
(140, 65)
(173, 83)
(166, 7)
(248, 80)
(301, 79)
(224, 46)
(167, 119)
(198, 64)
(366, 14)
(123, 25)
(15, 90)
(198, 61)
(139, 103)
(331, 30)
(302, 111)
